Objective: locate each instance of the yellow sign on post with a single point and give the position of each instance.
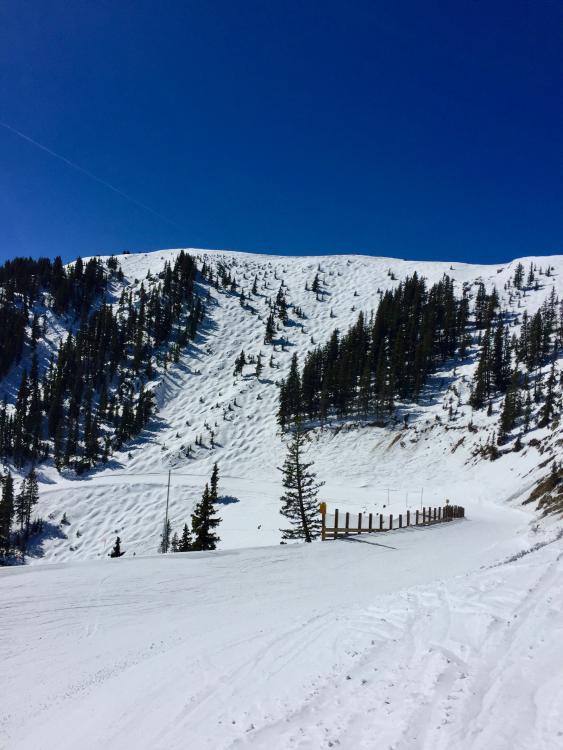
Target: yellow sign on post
(322, 508)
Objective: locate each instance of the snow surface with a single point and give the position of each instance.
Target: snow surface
(445, 638)
(365, 467)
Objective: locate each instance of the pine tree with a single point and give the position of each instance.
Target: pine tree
(6, 513)
(116, 551)
(270, 329)
(26, 500)
(299, 501)
(214, 484)
(315, 286)
(547, 409)
(519, 276)
(281, 306)
(240, 362)
(185, 542)
(482, 379)
(511, 408)
(165, 538)
(204, 520)
(290, 396)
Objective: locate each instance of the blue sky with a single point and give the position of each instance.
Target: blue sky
(420, 130)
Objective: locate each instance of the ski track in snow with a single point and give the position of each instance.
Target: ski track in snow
(427, 642)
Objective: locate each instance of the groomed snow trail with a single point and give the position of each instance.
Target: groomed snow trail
(420, 638)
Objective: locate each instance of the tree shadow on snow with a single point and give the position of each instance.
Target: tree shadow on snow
(35, 543)
(227, 500)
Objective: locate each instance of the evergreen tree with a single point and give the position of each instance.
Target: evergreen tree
(214, 484)
(510, 409)
(259, 366)
(185, 542)
(290, 396)
(299, 501)
(547, 410)
(483, 374)
(164, 544)
(116, 551)
(6, 513)
(281, 306)
(270, 329)
(26, 500)
(519, 276)
(204, 521)
(240, 362)
(316, 286)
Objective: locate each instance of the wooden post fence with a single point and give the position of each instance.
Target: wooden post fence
(427, 517)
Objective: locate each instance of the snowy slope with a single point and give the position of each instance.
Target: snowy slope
(442, 638)
(447, 638)
(365, 467)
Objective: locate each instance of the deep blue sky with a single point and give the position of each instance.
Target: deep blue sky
(413, 129)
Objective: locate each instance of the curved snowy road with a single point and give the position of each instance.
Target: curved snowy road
(412, 639)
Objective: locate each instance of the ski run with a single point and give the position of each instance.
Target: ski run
(441, 638)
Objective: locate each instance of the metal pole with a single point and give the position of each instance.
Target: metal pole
(165, 532)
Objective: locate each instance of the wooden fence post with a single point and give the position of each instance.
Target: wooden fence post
(336, 523)
(408, 518)
(359, 523)
(416, 519)
(390, 522)
(370, 522)
(347, 528)
(381, 521)
(400, 520)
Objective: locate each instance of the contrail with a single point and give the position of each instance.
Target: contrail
(90, 175)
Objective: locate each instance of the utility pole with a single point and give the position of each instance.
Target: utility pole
(165, 534)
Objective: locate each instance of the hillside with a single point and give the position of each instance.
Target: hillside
(366, 464)
(430, 638)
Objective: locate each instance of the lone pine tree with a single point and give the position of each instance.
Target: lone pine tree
(299, 501)
(214, 483)
(116, 551)
(270, 329)
(204, 521)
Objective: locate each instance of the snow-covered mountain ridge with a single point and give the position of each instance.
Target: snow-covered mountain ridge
(365, 466)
